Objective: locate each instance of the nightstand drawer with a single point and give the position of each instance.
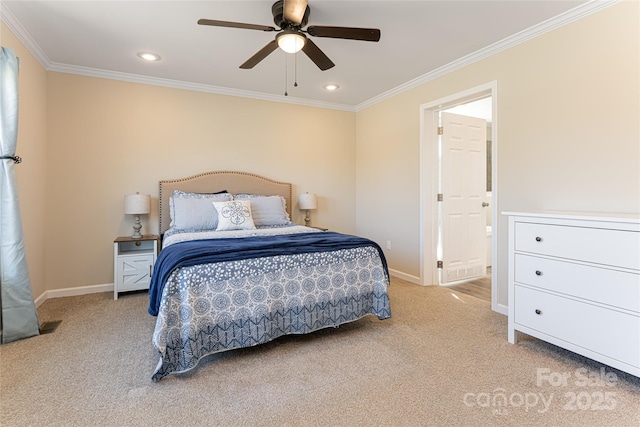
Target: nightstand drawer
(603, 331)
(618, 248)
(606, 286)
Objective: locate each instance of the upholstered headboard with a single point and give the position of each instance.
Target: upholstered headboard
(211, 182)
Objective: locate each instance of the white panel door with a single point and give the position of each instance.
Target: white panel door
(463, 185)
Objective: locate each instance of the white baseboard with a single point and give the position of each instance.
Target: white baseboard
(42, 298)
(500, 308)
(404, 276)
(72, 292)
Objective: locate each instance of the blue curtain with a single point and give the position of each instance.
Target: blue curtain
(19, 317)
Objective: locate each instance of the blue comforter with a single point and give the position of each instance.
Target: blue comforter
(195, 252)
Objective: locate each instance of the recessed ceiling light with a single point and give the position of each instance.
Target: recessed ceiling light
(331, 87)
(149, 56)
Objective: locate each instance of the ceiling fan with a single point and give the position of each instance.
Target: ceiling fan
(291, 16)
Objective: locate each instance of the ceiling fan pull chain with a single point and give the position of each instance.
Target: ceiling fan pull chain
(295, 70)
(285, 76)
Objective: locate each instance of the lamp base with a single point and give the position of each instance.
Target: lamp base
(137, 226)
(307, 219)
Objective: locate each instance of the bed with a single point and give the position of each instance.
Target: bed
(242, 274)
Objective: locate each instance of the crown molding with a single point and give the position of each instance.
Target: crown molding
(551, 24)
(21, 33)
(197, 87)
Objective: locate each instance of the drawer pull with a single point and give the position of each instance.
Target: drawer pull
(538, 273)
(538, 311)
(538, 239)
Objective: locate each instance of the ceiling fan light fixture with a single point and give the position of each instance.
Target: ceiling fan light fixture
(291, 41)
(331, 87)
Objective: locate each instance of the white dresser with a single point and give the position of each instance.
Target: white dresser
(574, 281)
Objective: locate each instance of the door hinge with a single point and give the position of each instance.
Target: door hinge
(440, 130)
(439, 264)
(440, 197)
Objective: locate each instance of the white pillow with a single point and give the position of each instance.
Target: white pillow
(234, 215)
(193, 211)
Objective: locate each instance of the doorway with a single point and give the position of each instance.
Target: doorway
(462, 196)
(429, 183)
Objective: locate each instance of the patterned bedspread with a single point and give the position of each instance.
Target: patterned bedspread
(238, 302)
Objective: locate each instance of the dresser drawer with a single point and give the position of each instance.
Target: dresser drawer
(618, 248)
(603, 285)
(607, 332)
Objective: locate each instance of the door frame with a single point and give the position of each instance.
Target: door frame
(429, 180)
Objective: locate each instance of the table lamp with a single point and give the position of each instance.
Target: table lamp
(137, 204)
(307, 202)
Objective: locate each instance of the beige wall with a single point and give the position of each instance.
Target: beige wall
(32, 147)
(568, 133)
(109, 138)
(568, 139)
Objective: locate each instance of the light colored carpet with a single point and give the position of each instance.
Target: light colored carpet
(442, 359)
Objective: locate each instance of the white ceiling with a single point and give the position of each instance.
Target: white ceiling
(419, 39)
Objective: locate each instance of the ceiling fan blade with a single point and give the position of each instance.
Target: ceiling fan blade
(317, 56)
(229, 24)
(365, 34)
(260, 55)
(294, 10)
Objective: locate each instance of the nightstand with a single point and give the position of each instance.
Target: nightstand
(133, 261)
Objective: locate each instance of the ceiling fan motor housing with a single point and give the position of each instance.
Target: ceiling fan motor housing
(278, 16)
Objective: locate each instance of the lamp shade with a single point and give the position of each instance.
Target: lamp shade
(307, 201)
(137, 204)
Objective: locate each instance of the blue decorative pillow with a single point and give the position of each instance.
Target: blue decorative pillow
(234, 215)
(267, 210)
(194, 211)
